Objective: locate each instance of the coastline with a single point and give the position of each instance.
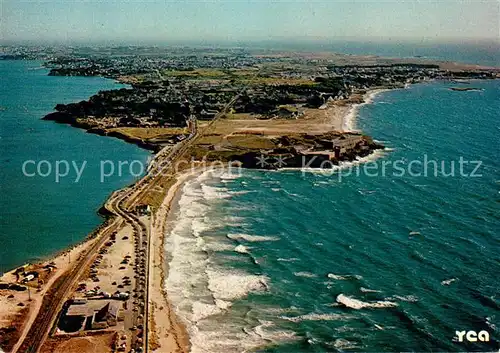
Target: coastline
(349, 121)
(101, 132)
(167, 325)
(25, 315)
(169, 331)
(169, 320)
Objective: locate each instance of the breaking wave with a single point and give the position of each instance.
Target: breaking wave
(343, 277)
(201, 289)
(305, 274)
(358, 304)
(251, 238)
(316, 317)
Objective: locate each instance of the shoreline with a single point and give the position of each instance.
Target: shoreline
(175, 334)
(103, 132)
(179, 189)
(350, 120)
(172, 320)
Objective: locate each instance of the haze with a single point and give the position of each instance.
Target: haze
(106, 20)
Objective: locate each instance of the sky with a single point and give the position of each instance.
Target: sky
(69, 21)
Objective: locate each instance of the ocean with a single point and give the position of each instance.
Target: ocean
(41, 214)
(394, 258)
(290, 261)
(479, 52)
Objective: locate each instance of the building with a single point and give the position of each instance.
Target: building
(347, 143)
(107, 316)
(143, 210)
(91, 315)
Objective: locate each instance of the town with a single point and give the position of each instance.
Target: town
(264, 109)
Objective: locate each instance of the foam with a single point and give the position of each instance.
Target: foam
(224, 338)
(343, 277)
(407, 298)
(305, 274)
(358, 304)
(367, 290)
(316, 317)
(263, 331)
(234, 220)
(490, 324)
(350, 118)
(342, 165)
(342, 344)
(200, 225)
(291, 259)
(231, 285)
(229, 176)
(203, 293)
(448, 281)
(201, 311)
(251, 238)
(241, 249)
(214, 193)
(215, 246)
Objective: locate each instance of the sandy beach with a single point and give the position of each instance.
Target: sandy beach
(16, 308)
(167, 333)
(349, 119)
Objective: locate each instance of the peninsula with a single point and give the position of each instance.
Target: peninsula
(289, 109)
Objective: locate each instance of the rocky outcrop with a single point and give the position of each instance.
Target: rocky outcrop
(300, 151)
(65, 118)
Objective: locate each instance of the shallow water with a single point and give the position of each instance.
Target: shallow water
(303, 262)
(38, 215)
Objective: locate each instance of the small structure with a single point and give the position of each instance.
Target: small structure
(288, 112)
(207, 114)
(143, 210)
(347, 143)
(106, 316)
(74, 319)
(29, 277)
(90, 315)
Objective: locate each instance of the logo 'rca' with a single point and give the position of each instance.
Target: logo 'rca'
(473, 336)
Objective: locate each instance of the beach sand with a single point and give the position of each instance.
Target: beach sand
(168, 333)
(12, 314)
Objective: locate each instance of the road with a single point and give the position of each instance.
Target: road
(62, 289)
(121, 204)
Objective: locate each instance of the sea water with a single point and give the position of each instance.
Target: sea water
(305, 262)
(40, 215)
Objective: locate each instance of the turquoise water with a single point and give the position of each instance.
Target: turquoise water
(258, 260)
(39, 216)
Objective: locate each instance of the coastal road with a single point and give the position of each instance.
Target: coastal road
(63, 287)
(121, 204)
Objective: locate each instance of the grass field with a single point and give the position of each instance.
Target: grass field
(145, 133)
(196, 73)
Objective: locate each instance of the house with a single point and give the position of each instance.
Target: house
(143, 210)
(106, 316)
(91, 315)
(347, 143)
